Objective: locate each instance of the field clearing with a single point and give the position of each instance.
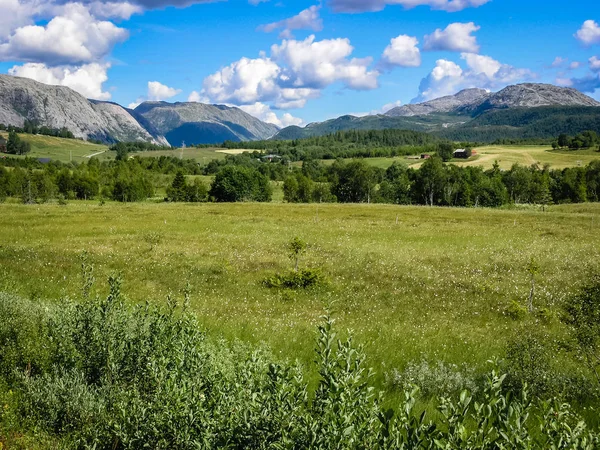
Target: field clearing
(412, 282)
(61, 149)
(505, 155)
(201, 155)
(237, 151)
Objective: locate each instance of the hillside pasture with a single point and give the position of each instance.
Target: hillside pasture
(61, 149)
(414, 283)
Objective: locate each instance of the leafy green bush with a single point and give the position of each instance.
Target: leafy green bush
(102, 374)
(301, 279)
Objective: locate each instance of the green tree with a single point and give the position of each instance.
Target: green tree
(13, 145)
(178, 191)
(445, 150)
(240, 184)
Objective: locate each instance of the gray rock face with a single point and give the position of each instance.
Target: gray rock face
(448, 104)
(57, 106)
(531, 95)
(197, 123)
(469, 101)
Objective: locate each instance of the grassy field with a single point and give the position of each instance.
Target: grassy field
(202, 155)
(413, 283)
(61, 149)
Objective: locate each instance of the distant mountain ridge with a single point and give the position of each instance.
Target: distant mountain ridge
(199, 123)
(477, 101)
(461, 111)
(156, 122)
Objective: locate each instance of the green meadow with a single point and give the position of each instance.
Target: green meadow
(61, 149)
(413, 283)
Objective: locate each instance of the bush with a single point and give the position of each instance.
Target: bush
(434, 378)
(301, 279)
(101, 374)
(240, 184)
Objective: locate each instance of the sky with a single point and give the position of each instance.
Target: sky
(292, 62)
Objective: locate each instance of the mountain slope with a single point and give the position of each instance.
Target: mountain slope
(57, 106)
(521, 111)
(198, 123)
(448, 104)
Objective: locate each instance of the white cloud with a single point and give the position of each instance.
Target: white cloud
(355, 6)
(564, 82)
(403, 51)
(558, 62)
(243, 82)
(484, 72)
(589, 33)
(595, 64)
(87, 79)
(457, 37)
(263, 112)
(159, 92)
(75, 37)
(196, 97)
(482, 64)
(309, 19)
(295, 72)
(574, 65)
(317, 64)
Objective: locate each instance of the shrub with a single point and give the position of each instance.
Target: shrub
(240, 184)
(434, 378)
(301, 279)
(102, 374)
(516, 311)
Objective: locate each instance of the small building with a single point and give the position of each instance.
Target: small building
(425, 156)
(271, 158)
(461, 153)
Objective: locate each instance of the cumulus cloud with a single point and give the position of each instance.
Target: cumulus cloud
(263, 112)
(589, 33)
(309, 19)
(73, 38)
(457, 37)
(484, 72)
(295, 72)
(356, 6)
(317, 64)
(246, 81)
(595, 64)
(157, 92)
(403, 51)
(87, 79)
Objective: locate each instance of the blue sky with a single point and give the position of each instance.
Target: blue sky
(294, 62)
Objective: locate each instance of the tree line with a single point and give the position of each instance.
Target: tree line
(439, 184)
(587, 139)
(30, 127)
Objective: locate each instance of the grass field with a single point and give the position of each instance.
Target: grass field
(412, 282)
(507, 156)
(202, 155)
(61, 149)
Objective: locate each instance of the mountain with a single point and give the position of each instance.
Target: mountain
(156, 122)
(57, 106)
(448, 104)
(198, 123)
(516, 112)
